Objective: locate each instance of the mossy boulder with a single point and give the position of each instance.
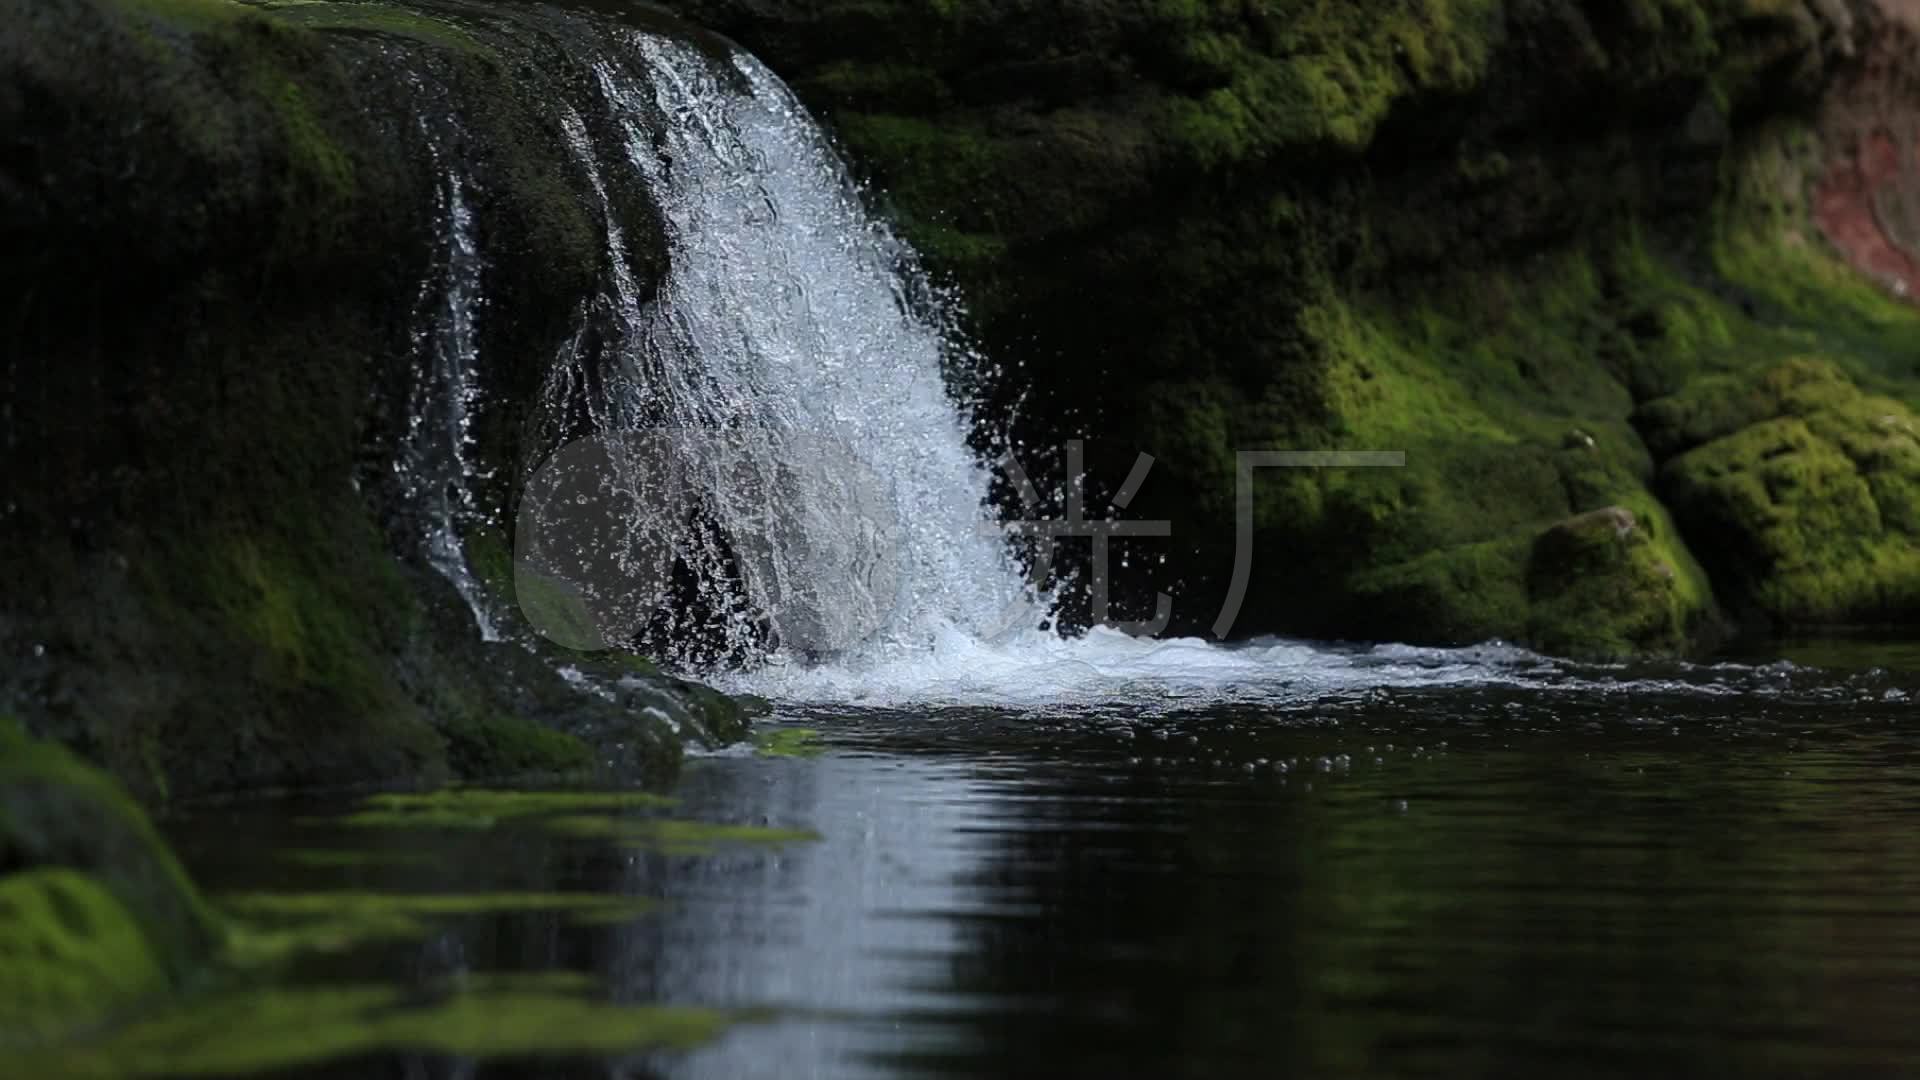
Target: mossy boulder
(72, 954)
(96, 916)
(1801, 490)
(1609, 585)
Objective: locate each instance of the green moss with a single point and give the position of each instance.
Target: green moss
(615, 664)
(379, 18)
(600, 815)
(1763, 240)
(56, 812)
(277, 1028)
(314, 151)
(718, 719)
(367, 906)
(1512, 396)
(274, 928)
(71, 955)
(337, 859)
(789, 742)
(1607, 586)
(304, 622)
(1466, 593)
(1316, 75)
(1785, 476)
(501, 746)
(935, 175)
(673, 836)
(480, 808)
(251, 948)
(260, 631)
(490, 557)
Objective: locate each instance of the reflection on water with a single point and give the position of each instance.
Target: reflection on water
(1452, 881)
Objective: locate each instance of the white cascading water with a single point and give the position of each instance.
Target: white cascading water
(801, 394)
(787, 383)
(436, 462)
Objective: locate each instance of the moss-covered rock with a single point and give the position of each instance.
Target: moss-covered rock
(96, 916)
(1607, 585)
(1802, 490)
(73, 955)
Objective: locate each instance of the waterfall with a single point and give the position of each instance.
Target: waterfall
(773, 432)
(746, 460)
(436, 462)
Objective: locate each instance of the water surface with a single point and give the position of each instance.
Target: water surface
(1537, 870)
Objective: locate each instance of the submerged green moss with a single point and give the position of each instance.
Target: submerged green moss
(338, 859)
(789, 742)
(588, 814)
(352, 906)
(253, 947)
(276, 1028)
(673, 836)
(477, 808)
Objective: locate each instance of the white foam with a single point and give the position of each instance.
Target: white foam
(1036, 669)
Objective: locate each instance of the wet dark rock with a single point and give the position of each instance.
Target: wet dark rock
(215, 221)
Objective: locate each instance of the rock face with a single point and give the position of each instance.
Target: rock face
(215, 226)
(1455, 228)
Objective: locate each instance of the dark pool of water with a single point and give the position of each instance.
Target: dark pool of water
(1710, 871)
